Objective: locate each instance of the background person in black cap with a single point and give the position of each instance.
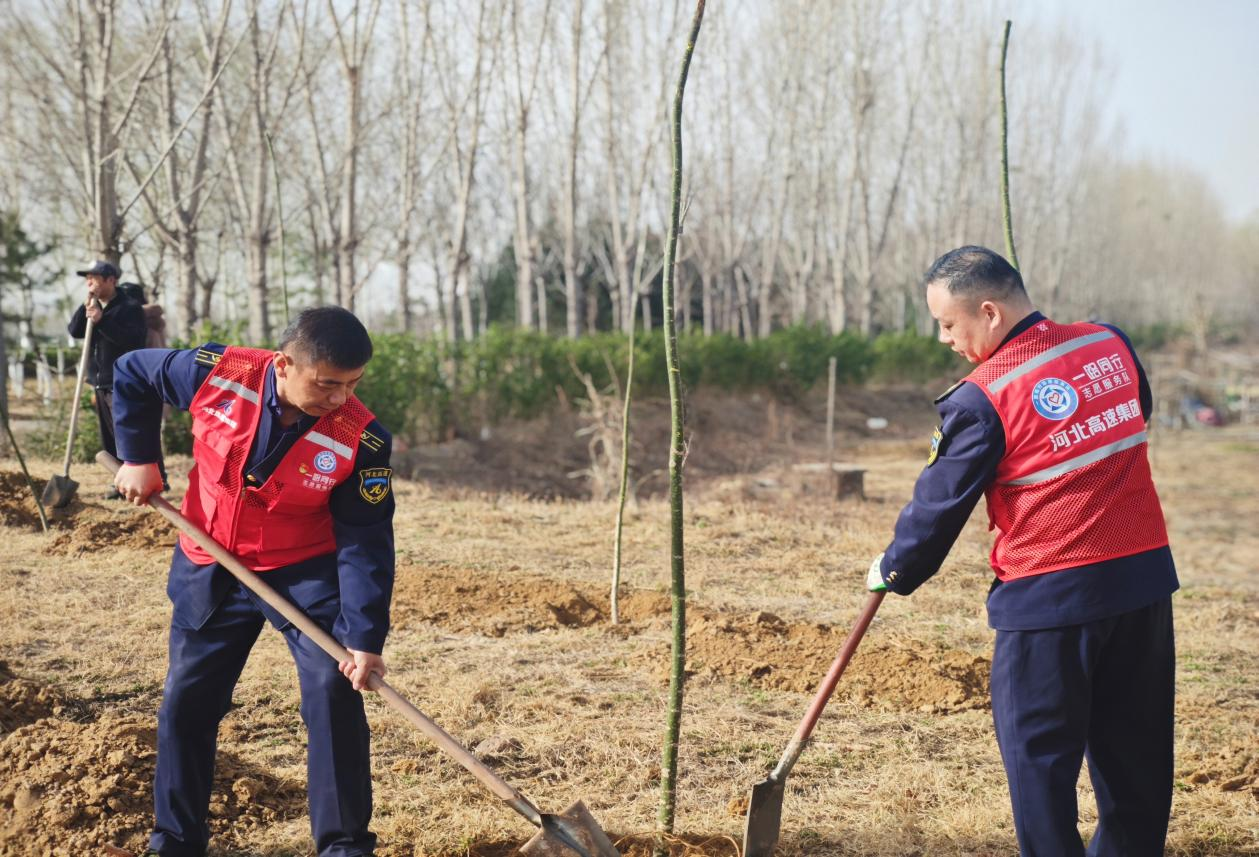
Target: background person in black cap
(118, 326)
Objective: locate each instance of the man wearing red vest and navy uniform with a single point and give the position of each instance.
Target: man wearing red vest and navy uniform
(291, 474)
(1051, 428)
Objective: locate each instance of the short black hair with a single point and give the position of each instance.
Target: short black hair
(328, 334)
(976, 274)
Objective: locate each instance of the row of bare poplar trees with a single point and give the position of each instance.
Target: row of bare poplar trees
(403, 148)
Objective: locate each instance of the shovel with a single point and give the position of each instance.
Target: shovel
(765, 800)
(60, 488)
(573, 831)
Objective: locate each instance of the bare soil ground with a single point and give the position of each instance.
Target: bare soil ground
(501, 634)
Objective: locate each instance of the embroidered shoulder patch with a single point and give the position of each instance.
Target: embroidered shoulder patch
(370, 441)
(373, 483)
(207, 358)
(936, 437)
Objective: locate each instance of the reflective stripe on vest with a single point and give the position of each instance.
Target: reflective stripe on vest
(1044, 357)
(328, 443)
(1079, 461)
(233, 387)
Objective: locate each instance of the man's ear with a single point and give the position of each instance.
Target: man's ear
(991, 311)
(282, 363)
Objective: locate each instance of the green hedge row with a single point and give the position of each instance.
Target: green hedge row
(422, 389)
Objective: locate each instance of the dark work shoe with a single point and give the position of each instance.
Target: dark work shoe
(114, 495)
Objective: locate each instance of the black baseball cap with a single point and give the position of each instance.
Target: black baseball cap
(101, 268)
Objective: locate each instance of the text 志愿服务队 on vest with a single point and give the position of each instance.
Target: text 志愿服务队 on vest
(1074, 486)
(285, 519)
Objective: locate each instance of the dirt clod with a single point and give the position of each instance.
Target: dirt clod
(23, 702)
(1232, 769)
(17, 506)
(497, 747)
(72, 788)
(759, 648)
(96, 529)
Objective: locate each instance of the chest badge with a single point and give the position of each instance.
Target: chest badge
(373, 483)
(1054, 399)
(325, 461)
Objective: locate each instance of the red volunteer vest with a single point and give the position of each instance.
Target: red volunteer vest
(1074, 487)
(286, 519)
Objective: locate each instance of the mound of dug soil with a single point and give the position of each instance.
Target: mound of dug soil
(71, 788)
(17, 506)
(634, 845)
(497, 605)
(758, 648)
(99, 529)
(1233, 769)
(82, 527)
(23, 702)
(763, 650)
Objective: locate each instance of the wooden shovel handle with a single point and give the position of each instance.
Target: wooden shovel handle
(827, 688)
(78, 394)
(325, 641)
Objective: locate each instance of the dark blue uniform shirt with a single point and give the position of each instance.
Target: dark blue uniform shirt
(360, 572)
(971, 447)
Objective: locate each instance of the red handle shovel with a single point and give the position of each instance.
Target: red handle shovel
(765, 800)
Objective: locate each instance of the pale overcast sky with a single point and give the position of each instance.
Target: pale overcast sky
(1186, 85)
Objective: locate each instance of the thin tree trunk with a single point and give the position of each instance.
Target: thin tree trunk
(620, 508)
(677, 671)
(524, 239)
(543, 321)
(347, 232)
(524, 242)
(572, 289)
(706, 299)
(1005, 159)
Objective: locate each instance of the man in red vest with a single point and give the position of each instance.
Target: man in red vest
(291, 474)
(1050, 427)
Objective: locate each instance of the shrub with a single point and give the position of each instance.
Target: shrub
(910, 357)
(406, 386)
(51, 442)
(422, 389)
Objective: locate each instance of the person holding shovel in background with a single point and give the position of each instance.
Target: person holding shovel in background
(118, 326)
(1050, 427)
(291, 474)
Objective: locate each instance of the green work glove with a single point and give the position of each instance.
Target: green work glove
(874, 578)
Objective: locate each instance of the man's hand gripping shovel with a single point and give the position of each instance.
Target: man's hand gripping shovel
(573, 831)
(765, 800)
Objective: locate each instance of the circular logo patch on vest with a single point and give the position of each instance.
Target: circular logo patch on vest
(325, 462)
(1054, 399)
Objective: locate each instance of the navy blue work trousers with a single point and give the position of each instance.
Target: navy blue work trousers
(1102, 691)
(205, 664)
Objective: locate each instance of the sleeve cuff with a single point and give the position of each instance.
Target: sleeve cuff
(373, 643)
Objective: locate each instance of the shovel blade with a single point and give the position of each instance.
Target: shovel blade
(59, 491)
(765, 810)
(573, 826)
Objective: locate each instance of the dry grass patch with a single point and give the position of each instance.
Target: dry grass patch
(501, 636)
